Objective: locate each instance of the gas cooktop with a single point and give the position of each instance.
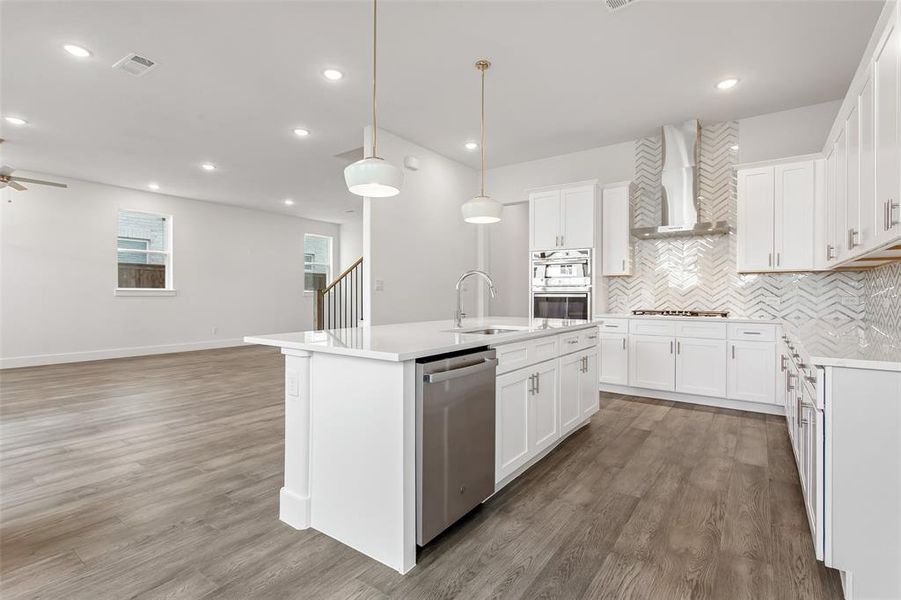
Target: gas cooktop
(681, 313)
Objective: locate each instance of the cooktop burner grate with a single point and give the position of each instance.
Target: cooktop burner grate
(681, 313)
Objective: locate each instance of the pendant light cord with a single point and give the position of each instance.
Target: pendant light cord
(374, 34)
(482, 131)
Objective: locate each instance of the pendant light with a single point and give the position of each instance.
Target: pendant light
(481, 208)
(372, 176)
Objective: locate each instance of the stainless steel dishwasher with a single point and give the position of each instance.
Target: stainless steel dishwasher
(454, 438)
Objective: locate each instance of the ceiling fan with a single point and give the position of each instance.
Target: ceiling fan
(8, 179)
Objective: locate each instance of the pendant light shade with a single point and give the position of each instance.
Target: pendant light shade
(372, 176)
(482, 209)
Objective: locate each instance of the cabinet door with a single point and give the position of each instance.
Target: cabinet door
(513, 400)
(867, 213)
(615, 236)
(851, 229)
(701, 367)
(755, 219)
(812, 465)
(795, 196)
(588, 384)
(570, 393)
(652, 362)
(835, 211)
(578, 217)
(830, 208)
(614, 359)
(545, 414)
(885, 69)
(752, 371)
(545, 220)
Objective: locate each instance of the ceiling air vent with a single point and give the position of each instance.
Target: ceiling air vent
(615, 5)
(135, 64)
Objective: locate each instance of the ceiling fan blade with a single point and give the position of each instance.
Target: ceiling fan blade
(13, 179)
(6, 170)
(17, 186)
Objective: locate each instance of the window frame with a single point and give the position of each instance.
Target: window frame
(168, 255)
(329, 265)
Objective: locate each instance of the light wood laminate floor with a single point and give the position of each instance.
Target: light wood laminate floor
(158, 477)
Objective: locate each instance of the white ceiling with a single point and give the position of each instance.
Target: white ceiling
(234, 79)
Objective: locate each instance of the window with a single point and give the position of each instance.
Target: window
(144, 251)
(317, 262)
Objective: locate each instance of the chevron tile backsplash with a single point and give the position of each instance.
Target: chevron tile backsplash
(699, 272)
(882, 293)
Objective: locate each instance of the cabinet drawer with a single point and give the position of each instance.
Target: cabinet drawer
(701, 329)
(588, 338)
(652, 327)
(544, 348)
(570, 342)
(613, 325)
(512, 356)
(749, 331)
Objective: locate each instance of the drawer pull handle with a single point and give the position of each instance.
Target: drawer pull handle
(751, 332)
(624, 343)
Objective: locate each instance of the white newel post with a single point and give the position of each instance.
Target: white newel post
(294, 497)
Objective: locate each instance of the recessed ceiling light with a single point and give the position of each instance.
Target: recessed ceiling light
(208, 167)
(727, 84)
(734, 148)
(301, 132)
(332, 74)
(76, 50)
(15, 120)
(153, 186)
(470, 145)
(288, 202)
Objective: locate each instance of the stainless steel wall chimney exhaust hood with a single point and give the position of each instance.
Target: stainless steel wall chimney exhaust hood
(679, 182)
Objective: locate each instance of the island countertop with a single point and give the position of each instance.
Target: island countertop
(409, 341)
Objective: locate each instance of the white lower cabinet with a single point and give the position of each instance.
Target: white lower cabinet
(570, 398)
(701, 367)
(538, 403)
(588, 384)
(810, 467)
(752, 371)
(513, 400)
(613, 364)
(652, 362)
(545, 416)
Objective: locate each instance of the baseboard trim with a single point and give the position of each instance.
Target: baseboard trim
(293, 509)
(36, 360)
(757, 407)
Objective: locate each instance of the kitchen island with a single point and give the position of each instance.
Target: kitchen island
(350, 417)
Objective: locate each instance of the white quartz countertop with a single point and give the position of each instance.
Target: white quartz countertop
(602, 316)
(408, 341)
(852, 345)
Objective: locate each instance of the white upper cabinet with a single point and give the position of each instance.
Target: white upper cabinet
(616, 255)
(852, 183)
(577, 205)
(888, 160)
(835, 210)
(795, 206)
(866, 215)
(562, 217)
(755, 219)
(544, 218)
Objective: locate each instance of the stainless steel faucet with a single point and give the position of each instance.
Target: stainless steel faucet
(458, 316)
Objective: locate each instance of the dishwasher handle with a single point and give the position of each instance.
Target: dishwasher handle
(485, 365)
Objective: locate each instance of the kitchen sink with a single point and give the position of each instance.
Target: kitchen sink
(491, 331)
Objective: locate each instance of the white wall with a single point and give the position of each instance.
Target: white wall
(788, 133)
(417, 243)
(508, 245)
(237, 270)
(350, 246)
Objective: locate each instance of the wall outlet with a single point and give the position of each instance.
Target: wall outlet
(214, 330)
(380, 285)
(851, 300)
